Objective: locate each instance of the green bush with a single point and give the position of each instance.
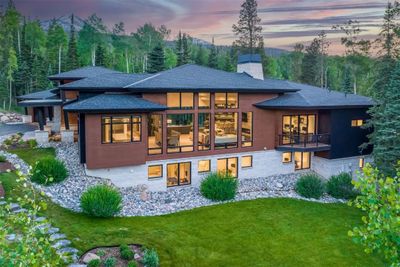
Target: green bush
(123, 247)
(340, 186)
(94, 263)
(3, 158)
(48, 171)
(110, 262)
(150, 258)
(132, 264)
(310, 186)
(219, 187)
(100, 252)
(101, 201)
(126, 253)
(32, 143)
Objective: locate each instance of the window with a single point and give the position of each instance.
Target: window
(178, 174)
(204, 131)
(247, 129)
(296, 128)
(302, 160)
(155, 135)
(121, 129)
(155, 171)
(179, 133)
(180, 100)
(286, 157)
(247, 161)
(226, 130)
(361, 163)
(357, 123)
(228, 166)
(226, 100)
(204, 166)
(204, 100)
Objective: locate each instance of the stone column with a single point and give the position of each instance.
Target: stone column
(42, 137)
(26, 118)
(67, 136)
(56, 119)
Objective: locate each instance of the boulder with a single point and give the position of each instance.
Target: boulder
(89, 257)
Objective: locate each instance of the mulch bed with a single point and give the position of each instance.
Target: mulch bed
(113, 251)
(4, 166)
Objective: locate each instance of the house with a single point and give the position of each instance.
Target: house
(171, 128)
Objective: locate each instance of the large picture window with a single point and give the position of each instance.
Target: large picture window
(180, 100)
(179, 174)
(302, 160)
(247, 129)
(226, 100)
(180, 133)
(226, 130)
(204, 100)
(204, 131)
(155, 171)
(121, 129)
(155, 134)
(296, 128)
(229, 166)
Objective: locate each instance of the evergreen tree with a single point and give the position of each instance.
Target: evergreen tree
(387, 127)
(179, 49)
(72, 54)
(186, 48)
(201, 56)
(212, 59)
(101, 56)
(56, 42)
(12, 66)
(156, 60)
(248, 28)
(309, 68)
(228, 66)
(347, 86)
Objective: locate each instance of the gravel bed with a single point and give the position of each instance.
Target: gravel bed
(68, 192)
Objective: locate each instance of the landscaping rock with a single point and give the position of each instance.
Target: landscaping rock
(90, 256)
(61, 243)
(7, 117)
(14, 206)
(67, 250)
(11, 237)
(56, 236)
(40, 219)
(53, 230)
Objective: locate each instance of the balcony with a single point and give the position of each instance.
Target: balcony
(304, 142)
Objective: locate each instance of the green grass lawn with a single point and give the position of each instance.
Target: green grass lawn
(30, 156)
(263, 232)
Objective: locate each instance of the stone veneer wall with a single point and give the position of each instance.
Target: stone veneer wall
(329, 167)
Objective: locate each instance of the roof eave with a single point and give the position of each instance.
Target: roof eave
(94, 111)
(313, 107)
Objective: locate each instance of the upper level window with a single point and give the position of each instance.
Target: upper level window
(297, 127)
(155, 134)
(121, 129)
(226, 100)
(226, 130)
(204, 100)
(204, 122)
(247, 129)
(180, 100)
(357, 123)
(179, 133)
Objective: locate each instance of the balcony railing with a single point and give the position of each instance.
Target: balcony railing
(304, 140)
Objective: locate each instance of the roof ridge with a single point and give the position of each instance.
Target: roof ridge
(143, 80)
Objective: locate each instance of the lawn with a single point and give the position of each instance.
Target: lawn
(30, 156)
(263, 232)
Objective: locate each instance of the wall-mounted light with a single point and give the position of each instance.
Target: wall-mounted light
(361, 163)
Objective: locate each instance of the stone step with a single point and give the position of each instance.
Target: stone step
(14, 206)
(40, 219)
(54, 237)
(67, 250)
(11, 237)
(61, 243)
(19, 210)
(3, 202)
(53, 230)
(77, 265)
(43, 226)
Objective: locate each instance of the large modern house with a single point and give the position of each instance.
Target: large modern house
(171, 128)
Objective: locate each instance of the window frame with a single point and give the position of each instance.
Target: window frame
(251, 162)
(291, 157)
(204, 147)
(180, 101)
(226, 100)
(179, 172)
(155, 177)
(252, 130)
(131, 123)
(355, 123)
(302, 166)
(185, 146)
(226, 165)
(209, 100)
(228, 145)
(148, 135)
(209, 166)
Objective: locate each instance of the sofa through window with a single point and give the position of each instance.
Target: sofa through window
(121, 129)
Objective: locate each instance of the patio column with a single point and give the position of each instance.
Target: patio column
(41, 118)
(66, 120)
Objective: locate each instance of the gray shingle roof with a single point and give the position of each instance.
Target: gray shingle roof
(106, 81)
(45, 94)
(113, 102)
(81, 73)
(315, 97)
(247, 58)
(192, 77)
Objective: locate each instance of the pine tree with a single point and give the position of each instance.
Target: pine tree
(347, 84)
(56, 42)
(156, 60)
(179, 49)
(101, 56)
(387, 127)
(186, 48)
(248, 28)
(212, 59)
(72, 54)
(310, 70)
(228, 66)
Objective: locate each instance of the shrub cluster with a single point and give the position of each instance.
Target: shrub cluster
(340, 186)
(94, 263)
(110, 262)
(126, 252)
(48, 171)
(132, 264)
(219, 187)
(150, 258)
(101, 201)
(16, 141)
(310, 186)
(3, 158)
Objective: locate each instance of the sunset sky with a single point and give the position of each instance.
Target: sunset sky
(285, 22)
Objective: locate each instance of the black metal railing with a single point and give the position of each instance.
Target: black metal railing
(304, 140)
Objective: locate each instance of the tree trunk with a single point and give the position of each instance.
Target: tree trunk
(9, 105)
(127, 61)
(19, 42)
(94, 56)
(59, 58)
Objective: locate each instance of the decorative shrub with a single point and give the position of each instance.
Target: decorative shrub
(340, 186)
(94, 263)
(219, 187)
(49, 170)
(100, 252)
(101, 201)
(150, 258)
(126, 252)
(310, 186)
(132, 264)
(110, 262)
(123, 247)
(32, 143)
(3, 158)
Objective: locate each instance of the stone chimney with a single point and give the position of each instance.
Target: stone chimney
(251, 64)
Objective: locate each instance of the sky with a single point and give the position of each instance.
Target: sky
(285, 22)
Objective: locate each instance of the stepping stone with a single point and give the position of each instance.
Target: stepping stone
(54, 237)
(77, 265)
(19, 210)
(14, 206)
(67, 250)
(11, 237)
(3, 202)
(61, 243)
(53, 230)
(40, 219)
(43, 226)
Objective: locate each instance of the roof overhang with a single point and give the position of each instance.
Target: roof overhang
(40, 103)
(101, 111)
(312, 107)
